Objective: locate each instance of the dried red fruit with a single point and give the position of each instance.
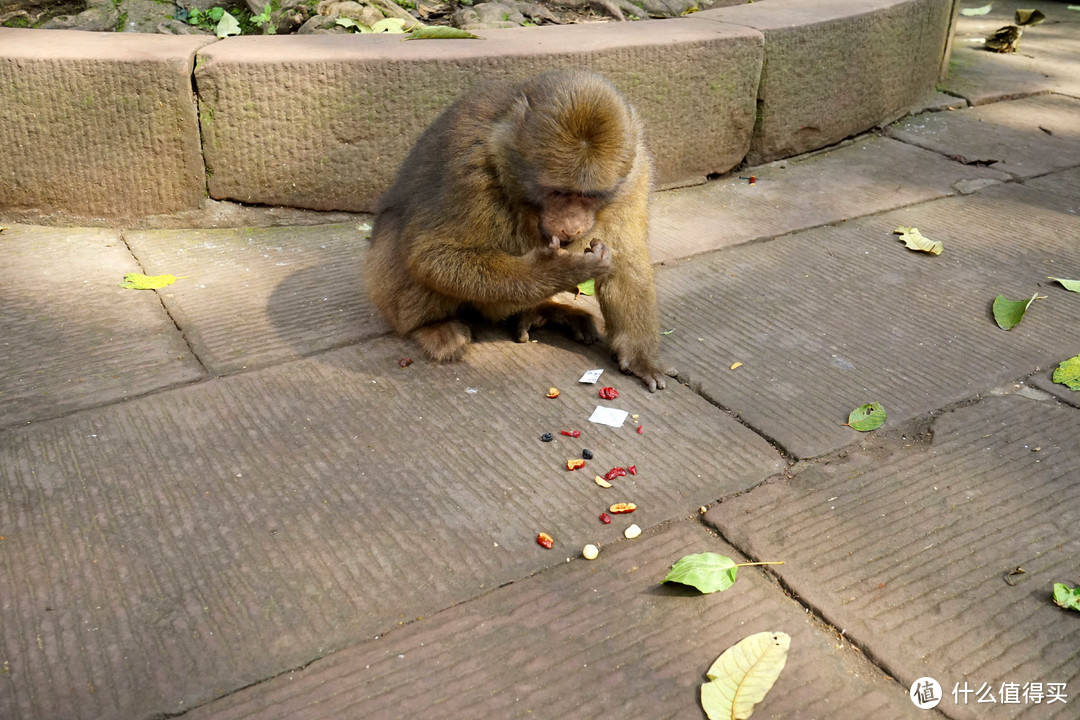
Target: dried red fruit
(545, 540)
(605, 518)
(553, 392)
(632, 469)
(404, 362)
(640, 429)
(575, 464)
(571, 433)
(609, 393)
(619, 508)
(614, 473)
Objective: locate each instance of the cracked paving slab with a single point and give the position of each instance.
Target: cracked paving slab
(259, 296)
(170, 549)
(600, 639)
(69, 336)
(1024, 138)
(826, 320)
(868, 175)
(907, 544)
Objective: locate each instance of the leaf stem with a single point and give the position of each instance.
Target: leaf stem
(768, 562)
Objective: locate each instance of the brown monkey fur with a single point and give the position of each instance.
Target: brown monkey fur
(516, 193)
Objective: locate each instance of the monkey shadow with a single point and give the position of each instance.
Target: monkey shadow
(323, 307)
(326, 306)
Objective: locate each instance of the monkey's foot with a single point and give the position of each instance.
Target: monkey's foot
(444, 342)
(581, 323)
(649, 372)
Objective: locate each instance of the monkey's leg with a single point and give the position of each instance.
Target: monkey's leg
(444, 341)
(580, 322)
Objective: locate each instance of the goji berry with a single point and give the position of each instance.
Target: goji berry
(605, 518)
(571, 433)
(545, 540)
(632, 469)
(609, 393)
(640, 429)
(614, 473)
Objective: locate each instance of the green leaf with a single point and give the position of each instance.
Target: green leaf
(915, 240)
(743, 674)
(1070, 285)
(970, 12)
(1009, 313)
(866, 417)
(588, 287)
(350, 23)
(708, 572)
(138, 281)
(228, 25)
(1067, 597)
(389, 25)
(440, 32)
(1068, 373)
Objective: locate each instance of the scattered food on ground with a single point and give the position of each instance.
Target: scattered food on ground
(547, 437)
(609, 393)
(602, 482)
(632, 532)
(589, 552)
(545, 540)
(605, 518)
(553, 392)
(621, 508)
(405, 362)
(586, 454)
(575, 464)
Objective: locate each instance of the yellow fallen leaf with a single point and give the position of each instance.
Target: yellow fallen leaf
(915, 240)
(743, 674)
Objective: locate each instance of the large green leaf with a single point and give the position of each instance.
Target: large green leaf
(1068, 373)
(1070, 285)
(1009, 313)
(708, 572)
(1067, 597)
(867, 417)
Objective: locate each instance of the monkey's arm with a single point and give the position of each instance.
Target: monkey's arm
(493, 277)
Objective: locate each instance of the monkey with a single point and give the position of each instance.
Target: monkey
(516, 192)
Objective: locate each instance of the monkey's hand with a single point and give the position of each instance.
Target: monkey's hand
(650, 373)
(566, 269)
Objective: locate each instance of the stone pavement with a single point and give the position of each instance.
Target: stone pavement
(225, 499)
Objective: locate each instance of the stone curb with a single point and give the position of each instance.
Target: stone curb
(104, 125)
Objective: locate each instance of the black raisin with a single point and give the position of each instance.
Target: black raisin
(586, 454)
(546, 437)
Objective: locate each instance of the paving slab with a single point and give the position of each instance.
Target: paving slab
(267, 518)
(835, 68)
(1045, 63)
(828, 319)
(865, 176)
(259, 296)
(1025, 138)
(71, 338)
(99, 124)
(597, 640)
(907, 545)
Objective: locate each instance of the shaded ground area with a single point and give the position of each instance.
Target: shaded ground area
(227, 499)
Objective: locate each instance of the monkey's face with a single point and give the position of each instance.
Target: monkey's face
(566, 217)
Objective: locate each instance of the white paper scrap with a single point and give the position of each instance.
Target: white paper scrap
(608, 416)
(591, 376)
